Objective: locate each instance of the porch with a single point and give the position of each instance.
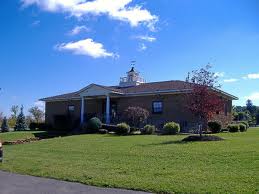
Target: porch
(98, 101)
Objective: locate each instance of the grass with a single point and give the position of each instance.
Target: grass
(150, 163)
(12, 136)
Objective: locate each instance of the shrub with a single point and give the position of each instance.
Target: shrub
(242, 127)
(148, 129)
(214, 126)
(122, 129)
(135, 116)
(233, 128)
(245, 123)
(171, 128)
(93, 125)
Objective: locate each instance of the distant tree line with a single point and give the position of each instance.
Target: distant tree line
(249, 113)
(18, 121)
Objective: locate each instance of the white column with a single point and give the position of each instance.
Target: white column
(82, 110)
(107, 109)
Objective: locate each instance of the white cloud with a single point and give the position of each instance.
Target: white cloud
(116, 9)
(220, 74)
(86, 47)
(146, 38)
(252, 76)
(230, 80)
(40, 105)
(78, 29)
(254, 96)
(142, 47)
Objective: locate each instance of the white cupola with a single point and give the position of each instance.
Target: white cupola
(133, 79)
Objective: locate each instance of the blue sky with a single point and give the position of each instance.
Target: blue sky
(51, 47)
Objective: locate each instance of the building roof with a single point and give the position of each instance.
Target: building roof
(142, 89)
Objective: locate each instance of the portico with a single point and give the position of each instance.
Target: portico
(96, 91)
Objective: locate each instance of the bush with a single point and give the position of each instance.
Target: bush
(122, 129)
(93, 125)
(245, 123)
(214, 126)
(171, 128)
(242, 127)
(148, 129)
(135, 116)
(233, 128)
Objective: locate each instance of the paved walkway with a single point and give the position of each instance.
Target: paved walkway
(11, 183)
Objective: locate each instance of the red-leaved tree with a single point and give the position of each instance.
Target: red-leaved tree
(203, 100)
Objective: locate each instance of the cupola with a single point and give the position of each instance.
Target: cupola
(132, 79)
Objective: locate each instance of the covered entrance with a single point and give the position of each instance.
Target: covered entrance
(109, 106)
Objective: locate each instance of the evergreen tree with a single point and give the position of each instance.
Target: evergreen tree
(20, 122)
(4, 126)
(250, 107)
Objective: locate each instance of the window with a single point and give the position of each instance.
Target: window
(157, 107)
(71, 108)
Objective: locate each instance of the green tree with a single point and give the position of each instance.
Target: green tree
(14, 111)
(37, 114)
(250, 107)
(4, 126)
(20, 122)
(257, 117)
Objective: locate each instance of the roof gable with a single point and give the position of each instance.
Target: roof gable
(96, 90)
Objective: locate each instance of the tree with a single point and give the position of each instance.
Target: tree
(4, 126)
(37, 114)
(14, 111)
(20, 121)
(250, 107)
(1, 117)
(257, 117)
(203, 100)
(136, 116)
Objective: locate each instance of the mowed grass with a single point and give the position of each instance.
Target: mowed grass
(12, 136)
(149, 163)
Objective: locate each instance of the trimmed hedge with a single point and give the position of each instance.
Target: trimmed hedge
(171, 128)
(148, 129)
(214, 126)
(122, 129)
(233, 128)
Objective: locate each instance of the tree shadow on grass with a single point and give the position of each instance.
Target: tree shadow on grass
(50, 134)
(179, 142)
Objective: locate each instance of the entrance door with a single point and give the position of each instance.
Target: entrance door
(113, 111)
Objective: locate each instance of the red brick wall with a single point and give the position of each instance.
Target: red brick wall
(174, 109)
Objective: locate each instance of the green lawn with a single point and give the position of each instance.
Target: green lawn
(12, 136)
(149, 163)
